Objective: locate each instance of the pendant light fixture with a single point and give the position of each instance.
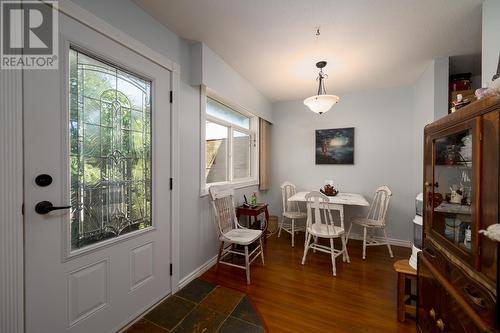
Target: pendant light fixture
(322, 102)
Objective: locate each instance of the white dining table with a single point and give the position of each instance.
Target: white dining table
(337, 202)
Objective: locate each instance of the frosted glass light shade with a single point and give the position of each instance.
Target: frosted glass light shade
(321, 103)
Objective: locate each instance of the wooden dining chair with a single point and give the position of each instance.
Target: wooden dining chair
(231, 233)
(374, 220)
(291, 212)
(320, 224)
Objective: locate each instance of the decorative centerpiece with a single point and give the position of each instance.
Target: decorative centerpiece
(329, 190)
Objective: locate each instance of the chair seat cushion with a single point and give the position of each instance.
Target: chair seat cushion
(241, 236)
(363, 221)
(323, 230)
(295, 215)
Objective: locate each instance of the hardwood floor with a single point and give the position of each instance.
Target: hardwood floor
(295, 298)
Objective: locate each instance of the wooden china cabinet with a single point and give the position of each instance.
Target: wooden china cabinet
(458, 267)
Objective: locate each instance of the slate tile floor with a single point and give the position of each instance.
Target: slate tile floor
(202, 306)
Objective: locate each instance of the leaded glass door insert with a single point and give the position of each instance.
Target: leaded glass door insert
(110, 150)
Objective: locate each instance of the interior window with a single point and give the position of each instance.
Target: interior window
(216, 152)
(229, 144)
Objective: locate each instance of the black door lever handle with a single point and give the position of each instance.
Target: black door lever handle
(45, 207)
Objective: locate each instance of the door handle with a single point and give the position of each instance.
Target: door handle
(45, 207)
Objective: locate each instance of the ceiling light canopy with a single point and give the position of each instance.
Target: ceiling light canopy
(322, 102)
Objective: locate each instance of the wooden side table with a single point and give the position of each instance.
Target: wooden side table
(406, 274)
(253, 212)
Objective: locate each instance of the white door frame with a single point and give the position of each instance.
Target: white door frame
(11, 176)
(11, 200)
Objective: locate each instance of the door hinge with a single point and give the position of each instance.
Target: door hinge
(22, 209)
(171, 183)
(171, 269)
(171, 96)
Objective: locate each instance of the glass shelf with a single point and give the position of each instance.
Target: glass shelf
(452, 216)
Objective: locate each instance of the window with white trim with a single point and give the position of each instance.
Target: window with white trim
(230, 145)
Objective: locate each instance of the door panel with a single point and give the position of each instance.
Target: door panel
(98, 265)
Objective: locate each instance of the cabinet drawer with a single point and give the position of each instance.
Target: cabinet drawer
(476, 295)
(455, 319)
(441, 308)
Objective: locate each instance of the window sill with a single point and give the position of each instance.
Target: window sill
(233, 185)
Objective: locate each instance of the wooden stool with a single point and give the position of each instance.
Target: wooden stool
(406, 274)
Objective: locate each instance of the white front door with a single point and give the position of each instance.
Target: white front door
(99, 126)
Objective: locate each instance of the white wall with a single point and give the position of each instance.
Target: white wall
(226, 82)
(491, 39)
(423, 114)
(383, 151)
(441, 79)
(197, 233)
(430, 102)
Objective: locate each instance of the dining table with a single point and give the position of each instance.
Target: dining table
(336, 202)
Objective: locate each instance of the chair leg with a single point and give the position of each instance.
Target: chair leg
(261, 251)
(315, 243)
(334, 269)
(364, 243)
(280, 226)
(306, 248)
(342, 241)
(388, 245)
(220, 254)
(293, 232)
(348, 234)
(247, 264)
(344, 245)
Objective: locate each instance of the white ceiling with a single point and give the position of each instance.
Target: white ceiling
(368, 44)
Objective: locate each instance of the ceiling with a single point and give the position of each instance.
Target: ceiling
(368, 44)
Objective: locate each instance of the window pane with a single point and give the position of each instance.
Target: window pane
(241, 155)
(225, 113)
(110, 155)
(216, 152)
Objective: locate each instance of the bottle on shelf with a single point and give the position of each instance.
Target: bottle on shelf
(253, 199)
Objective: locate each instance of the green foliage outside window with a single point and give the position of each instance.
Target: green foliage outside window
(110, 150)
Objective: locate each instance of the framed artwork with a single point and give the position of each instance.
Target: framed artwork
(335, 146)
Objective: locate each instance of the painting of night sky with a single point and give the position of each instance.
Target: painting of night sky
(335, 146)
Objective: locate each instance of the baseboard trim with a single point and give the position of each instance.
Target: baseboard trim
(392, 241)
(197, 272)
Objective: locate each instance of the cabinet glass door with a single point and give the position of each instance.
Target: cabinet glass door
(453, 188)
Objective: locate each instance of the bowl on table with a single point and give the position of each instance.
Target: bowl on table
(329, 190)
